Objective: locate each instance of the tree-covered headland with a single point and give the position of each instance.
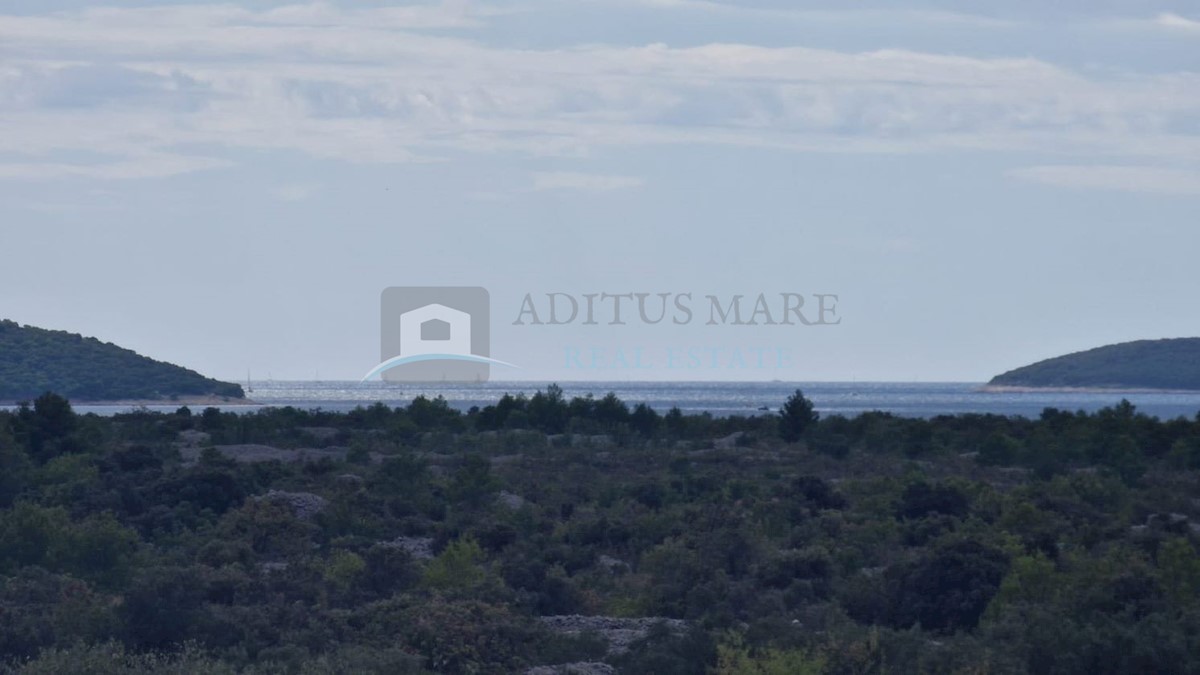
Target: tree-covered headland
(35, 360)
(1172, 364)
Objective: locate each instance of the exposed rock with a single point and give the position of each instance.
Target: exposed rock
(320, 433)
(349, 479)
(272, 567)
(420, 548)
(579, 440)
(304, 505)
(510, 501)
(581, 668)
(1160, 524)
(729, 442)
(1175, 523)
(250, 453)
(620, 633)
(517, 438)
(612, 564)
(194, 438)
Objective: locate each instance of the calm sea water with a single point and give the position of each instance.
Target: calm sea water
(720, 398)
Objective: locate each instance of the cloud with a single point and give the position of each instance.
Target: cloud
(293, 193)
(1166, 22)
(89, 86)
(148, 166)
(140, 85)
(1178, 23)
(843, 16)
(454, 14)
(1143, 179)
(566, 180)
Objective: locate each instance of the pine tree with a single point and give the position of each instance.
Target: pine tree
(796, 416)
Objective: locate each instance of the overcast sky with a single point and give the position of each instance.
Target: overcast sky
(230, 186)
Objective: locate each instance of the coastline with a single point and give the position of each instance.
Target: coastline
(719, 399)
(189, 401)
(1026, 389)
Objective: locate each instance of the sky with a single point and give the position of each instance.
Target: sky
(230, 186)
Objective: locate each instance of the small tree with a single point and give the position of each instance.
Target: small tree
(548, 411)
(458, 567)
(796, 416)
(644, 420)
(473, 482)
(46, 427)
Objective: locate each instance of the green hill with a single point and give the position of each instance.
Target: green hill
(1145, 364)
(35, 360)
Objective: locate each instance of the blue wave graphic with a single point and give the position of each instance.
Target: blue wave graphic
(415, 358)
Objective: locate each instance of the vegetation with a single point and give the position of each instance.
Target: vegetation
(796, 416)
(425, 540)
(1145, 364)
(35, 360)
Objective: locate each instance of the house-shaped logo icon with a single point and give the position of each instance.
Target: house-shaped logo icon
(435, 329)
(435, 334)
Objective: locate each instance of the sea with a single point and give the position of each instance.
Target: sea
(924, 399)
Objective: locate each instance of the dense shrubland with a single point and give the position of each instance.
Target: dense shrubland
(421, 539)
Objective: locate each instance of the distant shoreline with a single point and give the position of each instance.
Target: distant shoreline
(1025, 389)
(180, 401)
(849, 400)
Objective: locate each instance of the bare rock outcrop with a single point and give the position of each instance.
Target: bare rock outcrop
(304, 505)
(581, 668)
(510, 501)
(420, 548)
(249, 453)
(620, 633)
